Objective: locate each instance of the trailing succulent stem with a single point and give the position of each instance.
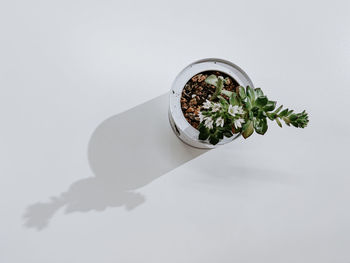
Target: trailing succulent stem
(244, 111)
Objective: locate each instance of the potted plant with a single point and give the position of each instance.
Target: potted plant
(213, 101)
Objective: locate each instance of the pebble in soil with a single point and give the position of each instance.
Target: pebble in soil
(197, 91)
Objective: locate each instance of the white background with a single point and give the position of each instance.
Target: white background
(79, 186)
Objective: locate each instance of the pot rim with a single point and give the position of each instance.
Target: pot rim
(181, 127)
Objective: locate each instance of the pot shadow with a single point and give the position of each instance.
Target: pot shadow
(125, 153)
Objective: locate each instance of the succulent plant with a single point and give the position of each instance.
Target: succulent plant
(244, 111)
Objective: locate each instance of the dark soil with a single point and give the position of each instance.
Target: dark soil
(197, 91)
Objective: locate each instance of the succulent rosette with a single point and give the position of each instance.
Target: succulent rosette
(243, 111)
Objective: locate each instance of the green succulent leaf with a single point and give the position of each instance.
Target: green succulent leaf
(248, 104)
(283, 113)
(261, 114)
(219, 86)
(260, 126)
(248, 129)
(220, 135)
(233, 99)
(271, 115)
(255, 109)
(242, 93)
(286, 120)
(270, 106)
(226, 92)
(259, 92)
(212, 80)
(299, 120)
(213, 139)
(203, 132)
(250, 93)
(228, 134)
(221, 82)
(261, 101)
(222, 100)
(293, 117)
(278, 122)
(278, 109)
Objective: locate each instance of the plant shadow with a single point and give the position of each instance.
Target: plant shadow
(125, 153)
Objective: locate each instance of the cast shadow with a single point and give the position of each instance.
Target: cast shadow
(125, 152)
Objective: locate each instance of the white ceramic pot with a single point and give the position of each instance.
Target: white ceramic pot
(179, 124)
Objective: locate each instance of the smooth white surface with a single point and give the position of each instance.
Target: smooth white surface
(66, 67)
